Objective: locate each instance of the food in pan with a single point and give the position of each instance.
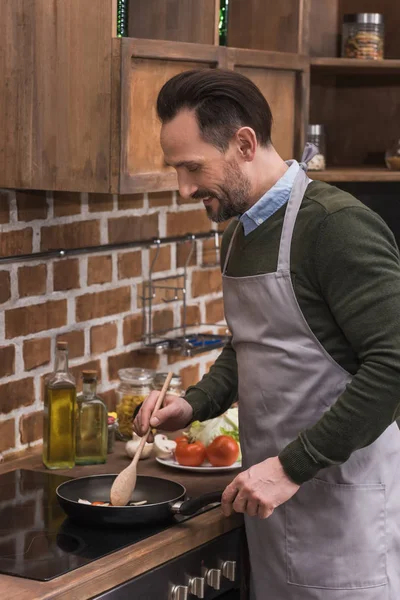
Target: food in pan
(97, 503)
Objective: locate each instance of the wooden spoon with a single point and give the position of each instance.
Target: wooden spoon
(125, 482)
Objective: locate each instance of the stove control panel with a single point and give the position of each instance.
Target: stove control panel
(209, 572)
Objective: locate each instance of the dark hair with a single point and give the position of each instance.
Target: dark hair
(223, 102)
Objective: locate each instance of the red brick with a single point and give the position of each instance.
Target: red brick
(7, 360)
(190, 375)
(215, 311)
(7, 435)
(4, 208)
(110, 399)
(100, 202)
(161, 294)
(128, 201)
(14, 243)
(66, 274)
(31, 205)
(71, 235)
(31, 427)
(37, 352)
(16, 394)
(163, 262)
(129, 265)
(99, 269)
(192, 315)
(189, 221)
(210, 253)
(75, 341)
(207, 281)
(37, 317)
(103, 304)
(66, 203)
(103, 338)
(5, 286)
(160, 199)
(133, 329)
(163, 320)
(93, 365)
(32, 280)
(182, 254)
(131, 359)
(128, 229)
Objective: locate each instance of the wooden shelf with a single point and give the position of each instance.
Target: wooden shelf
(355, 174)
(355, 65)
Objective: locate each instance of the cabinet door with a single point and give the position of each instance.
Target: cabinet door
(146, 66)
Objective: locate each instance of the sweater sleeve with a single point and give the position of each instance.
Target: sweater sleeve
(358, 272)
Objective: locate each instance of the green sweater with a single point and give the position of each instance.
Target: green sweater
(346, 275)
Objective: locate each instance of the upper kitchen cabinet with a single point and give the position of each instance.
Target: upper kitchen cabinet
(77, 103)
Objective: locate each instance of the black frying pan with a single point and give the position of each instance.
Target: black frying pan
(165, 498)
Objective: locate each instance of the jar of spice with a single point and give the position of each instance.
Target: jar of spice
(392, 157)
(316, 136)
(363, 36)
(175, 386)
(135, 385)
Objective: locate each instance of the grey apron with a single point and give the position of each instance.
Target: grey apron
(338, 538)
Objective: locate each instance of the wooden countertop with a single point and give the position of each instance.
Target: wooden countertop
(122, 565)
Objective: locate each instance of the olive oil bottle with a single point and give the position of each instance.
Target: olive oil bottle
(59, 414)
(91, 424)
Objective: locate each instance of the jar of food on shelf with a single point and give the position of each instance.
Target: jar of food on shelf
(316, 136)
(392, 157)
(134, 387)
(363, 36)
(175, 386)
(112, 426)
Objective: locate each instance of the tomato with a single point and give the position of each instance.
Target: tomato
(181, 438)
(190, 455)
(223, 451)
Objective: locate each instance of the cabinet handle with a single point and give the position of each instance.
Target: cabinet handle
(178, 592)
(213, 578)
(196, 586)
(228, 568)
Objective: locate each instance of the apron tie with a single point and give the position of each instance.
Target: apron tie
(310, 150)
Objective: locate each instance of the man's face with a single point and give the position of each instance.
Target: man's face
(204, 172)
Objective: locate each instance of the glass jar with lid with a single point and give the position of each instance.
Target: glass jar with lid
(135, 385)
(363, 36)
(175, 386)
(316, 136)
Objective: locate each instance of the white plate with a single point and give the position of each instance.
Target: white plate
(204, 468)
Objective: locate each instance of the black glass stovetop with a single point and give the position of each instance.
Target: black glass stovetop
(38, 541)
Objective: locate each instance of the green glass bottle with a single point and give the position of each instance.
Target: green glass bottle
(223, 22)
(59, 414)
(91, 424)
(122, 18)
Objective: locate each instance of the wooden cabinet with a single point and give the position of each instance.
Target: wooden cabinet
(77, 104)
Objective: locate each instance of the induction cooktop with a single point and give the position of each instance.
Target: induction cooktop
(38, 541)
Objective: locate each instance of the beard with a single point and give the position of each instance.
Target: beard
(233, 197)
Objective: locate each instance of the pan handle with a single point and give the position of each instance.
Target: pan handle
(193, 505)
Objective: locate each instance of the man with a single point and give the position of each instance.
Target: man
(311, 283)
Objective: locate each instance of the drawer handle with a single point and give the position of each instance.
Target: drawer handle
(228, 568)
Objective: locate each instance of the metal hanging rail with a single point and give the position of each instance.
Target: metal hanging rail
(63, 252)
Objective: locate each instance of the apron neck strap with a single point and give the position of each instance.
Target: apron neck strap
(298, 190)
(230, 249)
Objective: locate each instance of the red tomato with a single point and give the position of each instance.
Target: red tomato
(223, 451)
(181, 438)
(190, 455)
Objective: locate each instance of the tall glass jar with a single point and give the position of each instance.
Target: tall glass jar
(175, 386)
(316, 136)
(91, 424)
(135, 385)
(363, 36)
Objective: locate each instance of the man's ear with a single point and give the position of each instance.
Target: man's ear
(246, 141)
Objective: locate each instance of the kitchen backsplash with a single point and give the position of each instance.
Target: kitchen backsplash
(91, 301)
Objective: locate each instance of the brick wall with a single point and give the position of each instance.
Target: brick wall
(93, 300)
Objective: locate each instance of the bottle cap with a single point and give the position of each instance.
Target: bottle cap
(90, 375)
(62, 345)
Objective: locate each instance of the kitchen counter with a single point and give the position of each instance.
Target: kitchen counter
(122, 565)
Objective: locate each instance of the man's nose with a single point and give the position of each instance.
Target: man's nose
(186, 187)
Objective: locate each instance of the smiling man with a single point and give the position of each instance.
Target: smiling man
(311, 283)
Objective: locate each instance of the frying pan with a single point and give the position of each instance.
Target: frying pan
(164, 498)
